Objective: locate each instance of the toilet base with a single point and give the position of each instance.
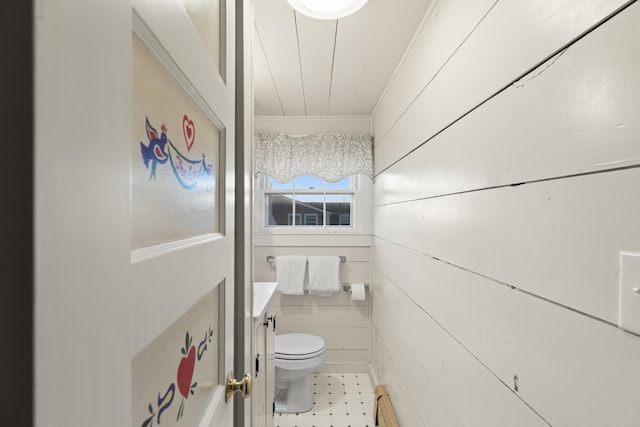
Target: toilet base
(296, 398)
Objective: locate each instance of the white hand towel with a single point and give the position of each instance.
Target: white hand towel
(291, 273)
(324, 275)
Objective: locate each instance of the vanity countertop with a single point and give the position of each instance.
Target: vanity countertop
(262, 294)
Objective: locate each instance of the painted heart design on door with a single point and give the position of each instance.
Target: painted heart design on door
(185, 372)
(186, 367)
(189, 131)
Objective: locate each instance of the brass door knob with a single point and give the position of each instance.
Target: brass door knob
(244, 387)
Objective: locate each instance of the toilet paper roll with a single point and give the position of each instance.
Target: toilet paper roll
(357, 292)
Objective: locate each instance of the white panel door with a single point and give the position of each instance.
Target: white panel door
(125, 251)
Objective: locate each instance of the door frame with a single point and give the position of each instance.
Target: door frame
(243, 329)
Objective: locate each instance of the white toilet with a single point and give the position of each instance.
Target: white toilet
(297, 357)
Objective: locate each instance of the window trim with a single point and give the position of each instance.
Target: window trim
(260, 208)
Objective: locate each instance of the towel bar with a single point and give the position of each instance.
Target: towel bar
(272, 259)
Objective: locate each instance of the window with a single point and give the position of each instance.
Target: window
(308, 202)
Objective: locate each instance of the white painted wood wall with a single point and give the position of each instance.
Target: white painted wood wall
(342, 323)
(507, 151)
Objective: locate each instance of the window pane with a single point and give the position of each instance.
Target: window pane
(275, 185)
(310, 207)
(280, 209)
(339, 209)
(343, 184)
(309, 182)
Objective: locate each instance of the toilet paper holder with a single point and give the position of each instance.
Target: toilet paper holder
(347, 287)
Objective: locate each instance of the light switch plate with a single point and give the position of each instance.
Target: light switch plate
(629, 293)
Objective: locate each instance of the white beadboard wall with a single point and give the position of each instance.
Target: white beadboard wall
(507, 151)
(342, 323)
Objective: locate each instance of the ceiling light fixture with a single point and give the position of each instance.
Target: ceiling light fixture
(327, 9)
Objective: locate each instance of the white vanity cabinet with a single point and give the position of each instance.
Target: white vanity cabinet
(264, 366)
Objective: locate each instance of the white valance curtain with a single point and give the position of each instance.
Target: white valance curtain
(330, 156)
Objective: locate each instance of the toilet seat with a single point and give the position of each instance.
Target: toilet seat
(298, 346)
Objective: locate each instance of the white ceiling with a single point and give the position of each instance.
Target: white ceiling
(308, 67)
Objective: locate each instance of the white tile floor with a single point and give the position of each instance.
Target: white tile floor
(340, 400)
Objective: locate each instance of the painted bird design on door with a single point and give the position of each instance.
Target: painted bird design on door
(155, 152)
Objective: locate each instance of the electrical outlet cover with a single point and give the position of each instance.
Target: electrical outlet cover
(629, 315)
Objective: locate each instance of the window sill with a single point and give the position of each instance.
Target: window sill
(307, 230)
(312, 239)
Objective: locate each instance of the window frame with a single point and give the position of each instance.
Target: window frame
(261, 208)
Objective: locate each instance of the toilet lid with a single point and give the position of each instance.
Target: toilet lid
(298, 346)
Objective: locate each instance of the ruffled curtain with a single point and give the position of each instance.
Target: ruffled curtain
(330, 156)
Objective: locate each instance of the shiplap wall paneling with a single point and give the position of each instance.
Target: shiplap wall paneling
(448, 23)
(511, 39)
(354, 270)
(350, 272)
(256, 107)
(499, 239)
(341, 322)
(337, 299)
(343, 338)
(415, 398)
(352, 253)
(346, 361)
(557, 354)
(576, 113)
(327, 316)
(344, 326)
(475, 394)
(347, 339)
(335, 324)
(559, 239)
